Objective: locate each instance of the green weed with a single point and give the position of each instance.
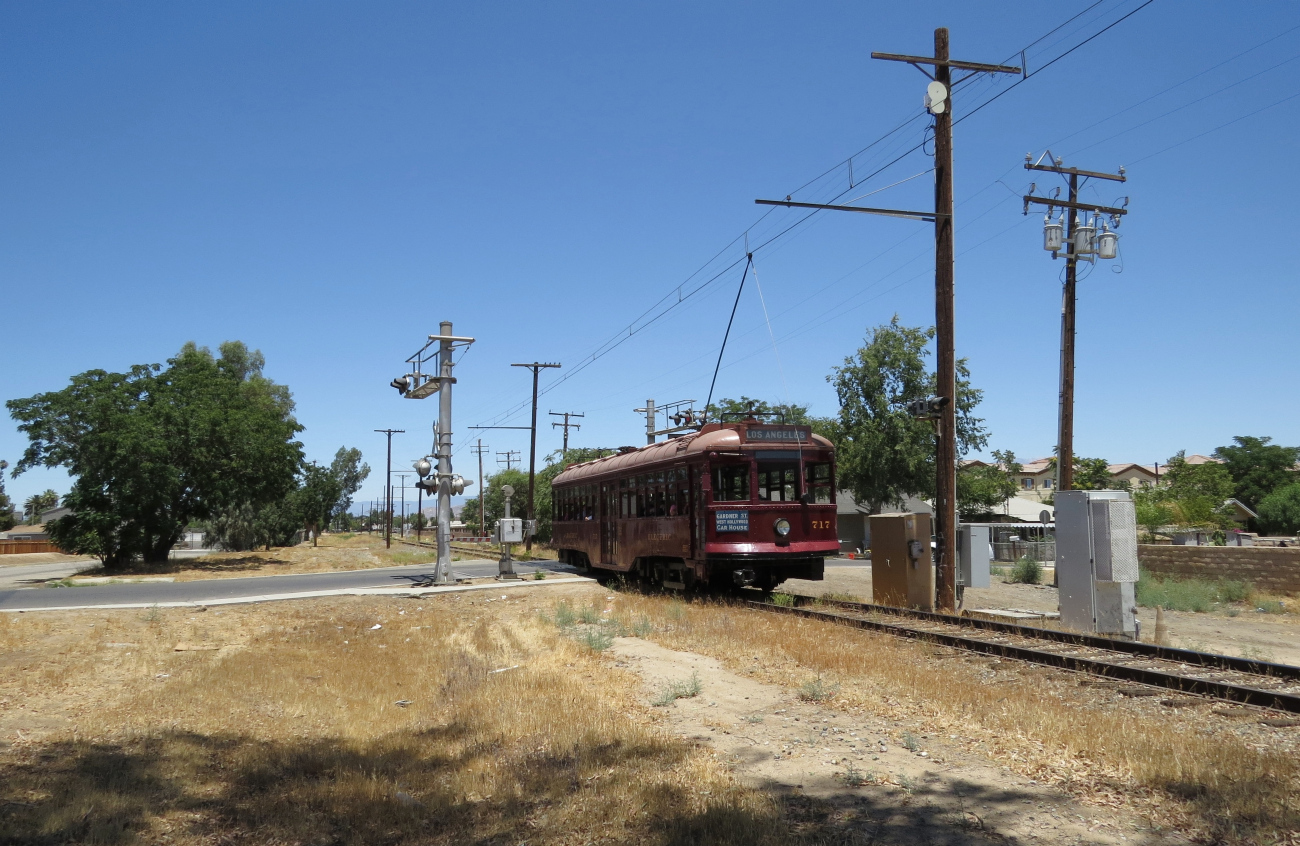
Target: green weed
(910, 743)
(673, 691)
(817, 690)
(596, 640)
(643, 628)
(564, 616)
(539, 575)
(1200, 595)
(785, 600)
(1026, 572)
(589, 615)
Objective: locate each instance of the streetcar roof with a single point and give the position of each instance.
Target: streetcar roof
(713, 437)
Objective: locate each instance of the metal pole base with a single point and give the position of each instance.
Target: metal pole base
(507, 568)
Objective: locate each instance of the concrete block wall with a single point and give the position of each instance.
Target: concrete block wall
(1269, 569)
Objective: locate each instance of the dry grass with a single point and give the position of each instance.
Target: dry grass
(333, 552)
(1180, 768)
(292, 733)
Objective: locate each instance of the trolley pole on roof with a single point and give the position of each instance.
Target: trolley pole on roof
(536, 367)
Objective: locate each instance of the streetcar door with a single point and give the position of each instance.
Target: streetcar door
(608, 511)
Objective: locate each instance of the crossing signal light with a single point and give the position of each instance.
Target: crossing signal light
(927, 409)
(402, 384)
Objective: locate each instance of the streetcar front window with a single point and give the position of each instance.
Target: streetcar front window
(731, 483)
(818, 482)
(776, 481)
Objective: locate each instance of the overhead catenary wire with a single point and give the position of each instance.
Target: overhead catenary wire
(683, 295)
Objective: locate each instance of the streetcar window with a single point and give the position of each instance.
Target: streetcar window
(776, 481)
(731, 483)
(818, 482)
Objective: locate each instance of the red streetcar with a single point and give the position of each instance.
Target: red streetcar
(743, 503)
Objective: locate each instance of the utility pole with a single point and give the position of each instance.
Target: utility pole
(479, 449)
(511, 456)
(566, 424)
(403, 476)
(388, 486)
(938, 99)
(939, 96)
(536, 367)
(1073, 252)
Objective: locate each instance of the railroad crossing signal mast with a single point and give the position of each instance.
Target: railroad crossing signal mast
(419, 385)
(938, 100)
(1081, 240)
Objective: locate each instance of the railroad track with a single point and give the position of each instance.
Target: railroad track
(1242, 680)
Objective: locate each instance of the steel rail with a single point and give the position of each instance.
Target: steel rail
(1245, 695)
(1133, 647)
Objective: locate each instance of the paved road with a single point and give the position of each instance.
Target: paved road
(212, 590)
(30, 575)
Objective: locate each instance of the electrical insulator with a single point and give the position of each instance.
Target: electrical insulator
(1082, 235)
(1053, 235)
(1108, 244)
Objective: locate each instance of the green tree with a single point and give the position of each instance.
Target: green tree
(884, 454)
(494, 502)
(1092, 474)
(1153, 509)
(348, 469)
(1258, 467)
(773, 412)
(981, 489)
(1279, 512)
(1196, 493)
(36, 503)
(156, 447)
(316, 498)
(6, 504)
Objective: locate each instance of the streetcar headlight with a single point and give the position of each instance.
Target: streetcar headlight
(782, 526)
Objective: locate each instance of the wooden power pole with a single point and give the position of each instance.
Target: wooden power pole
(388, 486)
(945, 504)
(536, 367)
(1065, 434)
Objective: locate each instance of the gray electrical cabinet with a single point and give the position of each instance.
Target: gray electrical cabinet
(509, 530)
(973, 556)
(1097, 562)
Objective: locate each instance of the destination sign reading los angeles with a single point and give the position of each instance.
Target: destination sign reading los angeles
(778, 435)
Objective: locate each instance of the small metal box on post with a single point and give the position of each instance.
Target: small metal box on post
(902, 567)
(509, 530)
(973, 556)
(1097, 562)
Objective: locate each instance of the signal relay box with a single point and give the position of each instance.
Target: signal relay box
(509, 530)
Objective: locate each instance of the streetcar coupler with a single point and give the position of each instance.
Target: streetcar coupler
(743, 578)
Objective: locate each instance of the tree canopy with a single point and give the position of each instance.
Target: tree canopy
(983, 488)
(156, 447)
(1257, 467)
(6, 504)
(884, 455)
(349, 471)
(1279, 512)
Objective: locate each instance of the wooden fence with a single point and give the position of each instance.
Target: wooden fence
(16, 547)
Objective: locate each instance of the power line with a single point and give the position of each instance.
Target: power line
(633, 328)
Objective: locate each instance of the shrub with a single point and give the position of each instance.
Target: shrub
(596, 640)
(785, 600)
(817, 690)
(686, 689)
(1026, 572)
(564, 616)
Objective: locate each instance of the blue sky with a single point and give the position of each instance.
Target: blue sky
(328, 181)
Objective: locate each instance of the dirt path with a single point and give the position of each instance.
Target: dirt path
(901, 788)
(1268, 637)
